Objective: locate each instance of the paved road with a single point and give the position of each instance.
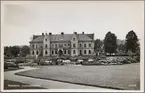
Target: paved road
(10, 75)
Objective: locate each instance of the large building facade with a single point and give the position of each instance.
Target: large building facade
(62, 44)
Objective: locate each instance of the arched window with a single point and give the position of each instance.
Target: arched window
(89, 51)
(80, 45)
(52, 52)
(33, 52)
(85, 51)
(45, 45)
(37, 52)
(64, 51)
(45, 51)
(74, 52)
(55, 51)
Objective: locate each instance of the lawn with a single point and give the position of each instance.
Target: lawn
(115, 76)
(8, 84)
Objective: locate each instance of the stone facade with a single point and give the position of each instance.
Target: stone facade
(62, 44)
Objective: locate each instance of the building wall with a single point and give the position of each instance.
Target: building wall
(35, 48)
(46, 45)
(85, 47)
(64, 46)
(74, 45)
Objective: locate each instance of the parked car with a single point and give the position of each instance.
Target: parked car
(79, 62)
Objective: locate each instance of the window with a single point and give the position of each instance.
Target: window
(64, 44)
(68, 44)
(33, 45)
(85, 51)
(64, 51)
(55, 45)
(46, 52)
(55, 51)
(37, 52)
(46, 40)
(80, 45)
(33, 52)
(73, 39)
(36, 46)
(89, 45)
(80, 52)
(74, 45)
(89, 51)
(74, 52)
(52, 45)
(45, 45)
(68, 51)
(52, 52)
(84, 45)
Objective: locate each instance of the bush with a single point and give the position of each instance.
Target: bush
(7, 65)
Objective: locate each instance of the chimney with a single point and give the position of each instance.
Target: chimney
(42, 34)
(82, 32)
(50, 33)
(62, 33)
(75, 32)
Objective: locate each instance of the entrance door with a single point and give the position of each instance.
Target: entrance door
(60, 52)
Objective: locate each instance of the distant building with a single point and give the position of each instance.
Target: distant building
(62, 44)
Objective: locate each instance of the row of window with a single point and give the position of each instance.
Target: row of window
(68, 52)
(64, 52)
(56, 52)
(36, 46)
(33, 52)
(61, 45)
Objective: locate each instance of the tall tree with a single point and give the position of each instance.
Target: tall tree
(110, 44)
(15, 50)
(25, 50)
(98, 45)
(132, 42)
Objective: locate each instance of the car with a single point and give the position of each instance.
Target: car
(79, 62)
(48, 61)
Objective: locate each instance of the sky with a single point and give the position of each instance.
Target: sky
(23, 19)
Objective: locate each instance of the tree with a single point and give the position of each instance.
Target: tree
(98, 45)
(132, 42)
(15, 50)
(25, 50)
(110, 43)
(121, 47)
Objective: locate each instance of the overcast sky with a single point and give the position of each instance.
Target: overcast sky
(22, 19)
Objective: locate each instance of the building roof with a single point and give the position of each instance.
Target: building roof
(64, 37)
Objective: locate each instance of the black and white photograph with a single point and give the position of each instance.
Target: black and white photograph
(72, 46)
